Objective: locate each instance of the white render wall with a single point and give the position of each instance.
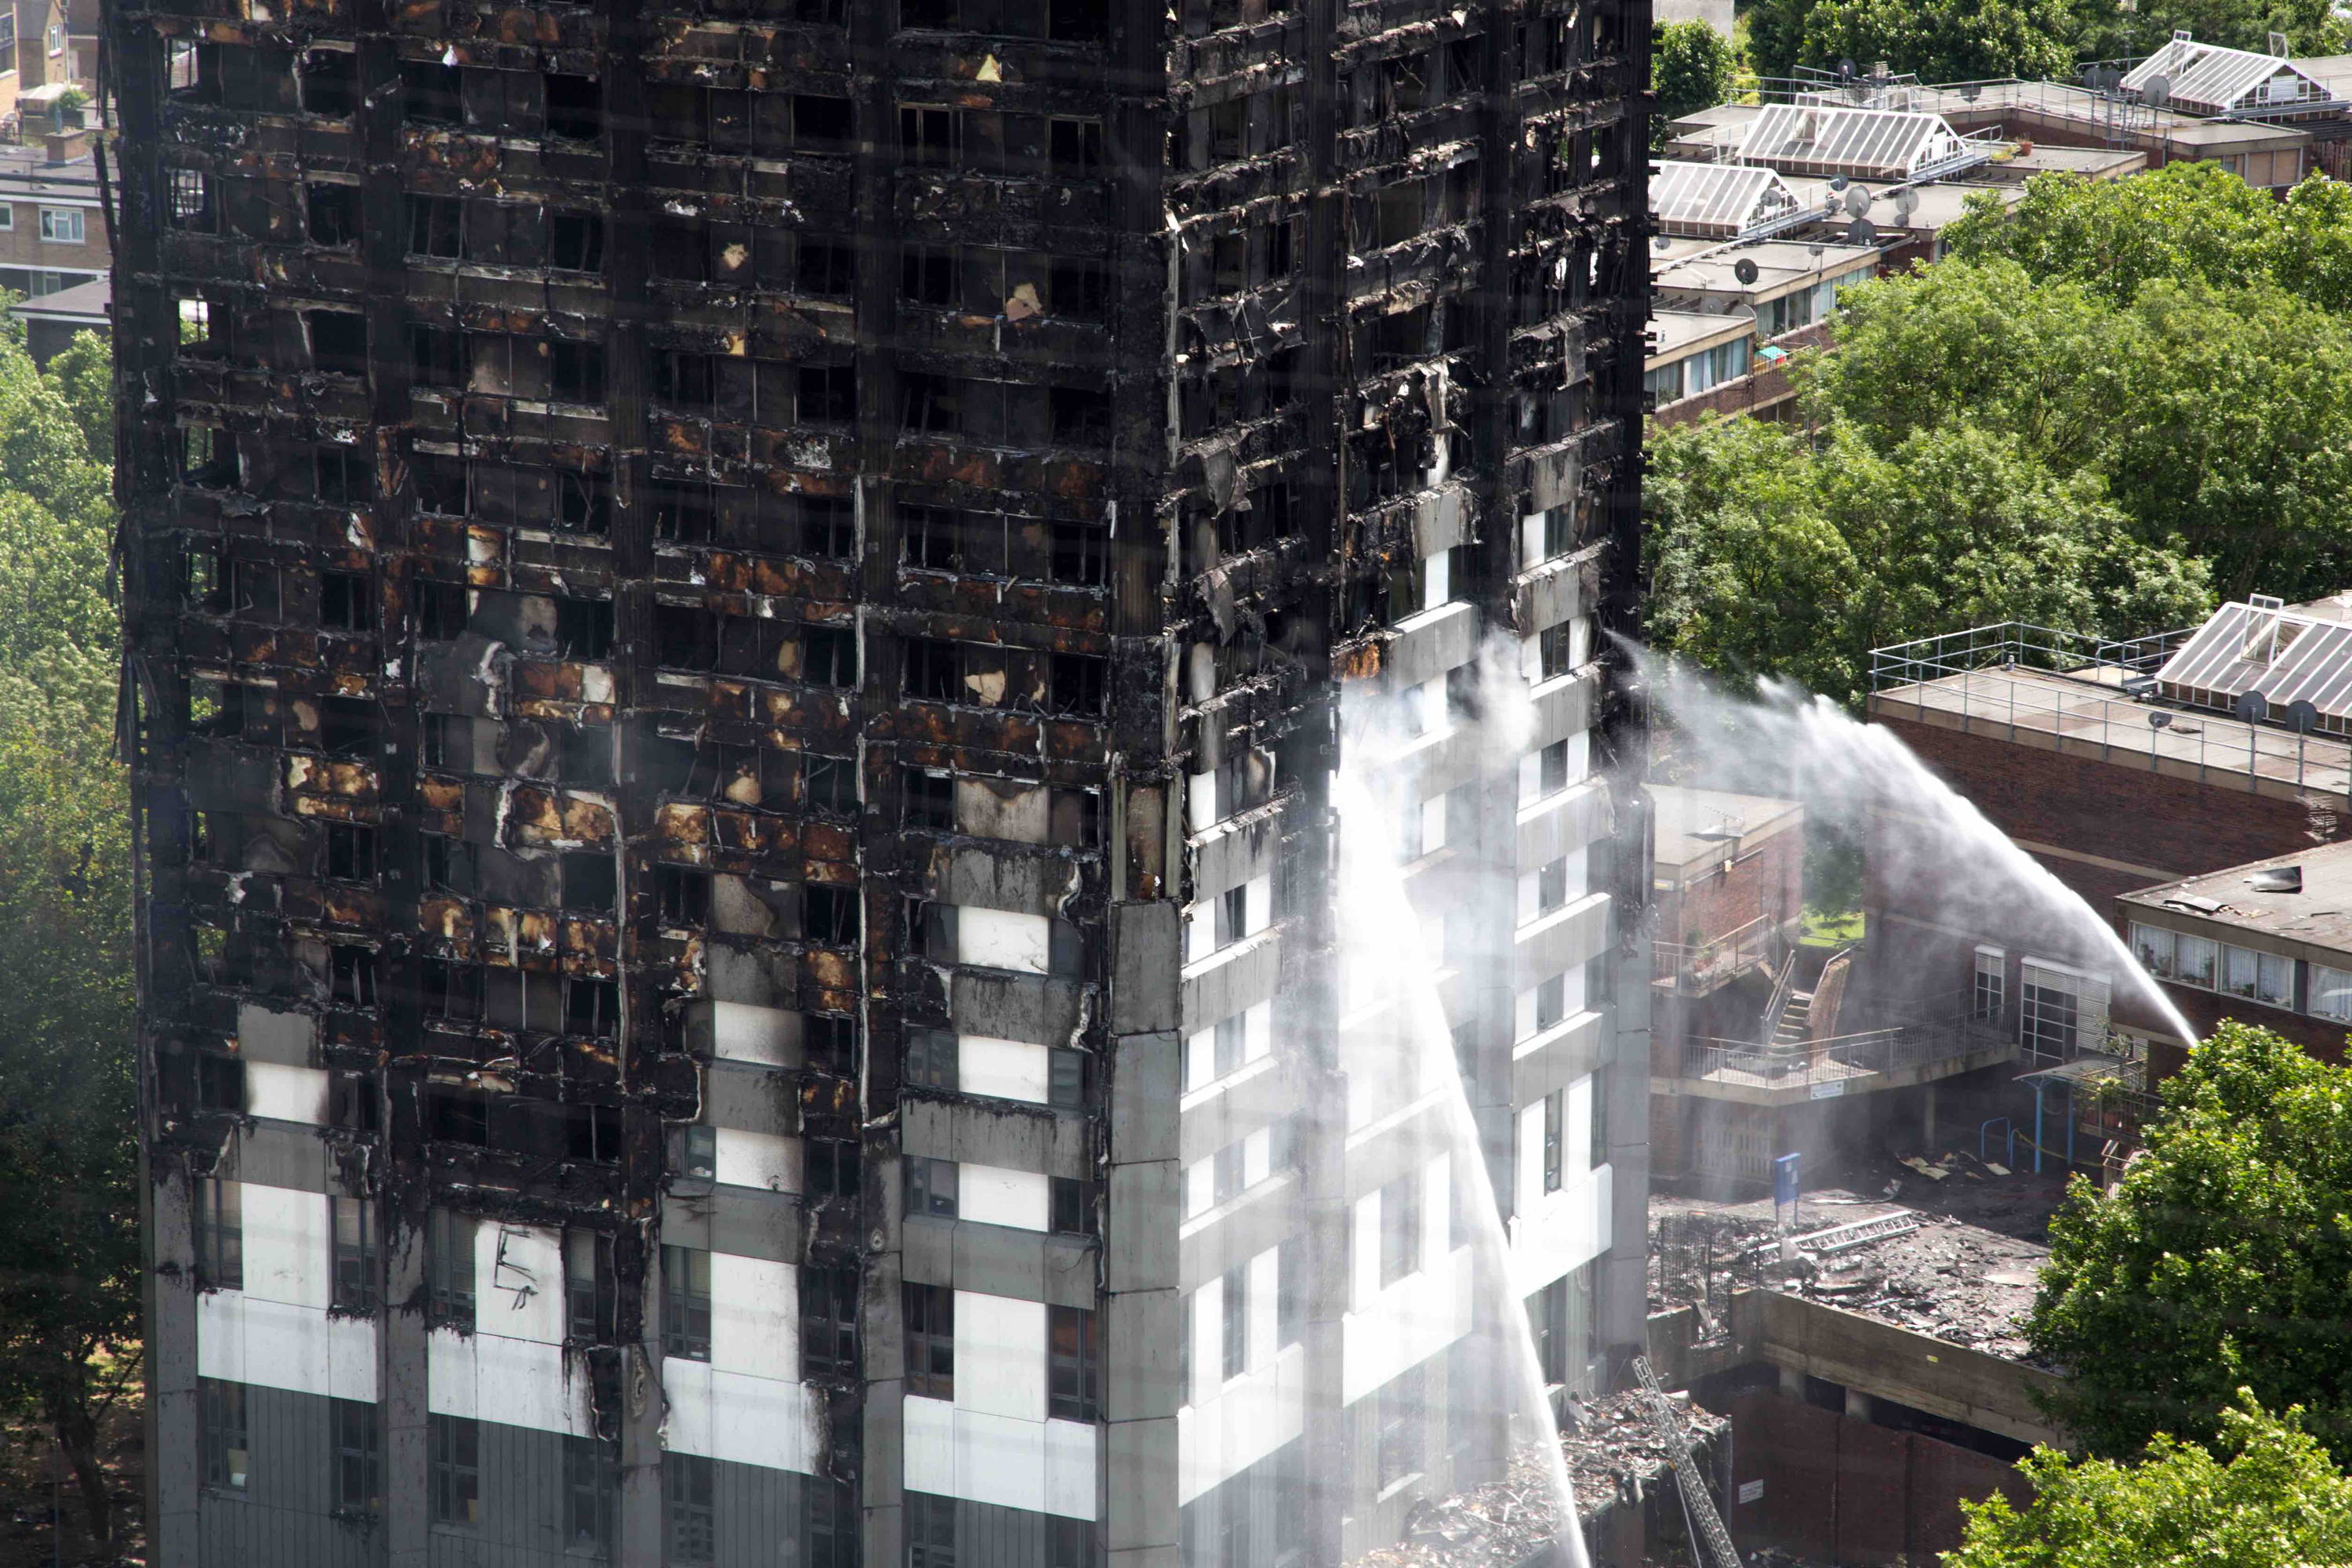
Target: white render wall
(995, 1444)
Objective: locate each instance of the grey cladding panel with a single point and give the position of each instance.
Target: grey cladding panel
(750, 1100)
(1146, 949)
(1017, 1008)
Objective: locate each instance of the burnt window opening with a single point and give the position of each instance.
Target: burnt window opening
(432, 93)
(927, 800)
(826, 269)
(829, 657)
(938, 14)
(590, 882)
(833, 1168)
(353, 1105)
(576, 371)
(351, 852)
(682, 511)
(1078, 21)
(343, 477)
(192, 71)
(829, 1044)
(352, 975)
(191, 208)
(931, 403)
(930, 1341)
(932, 538)
(686, 1302)
(331, 82)
(1079, 416)
(220, 1083)
(929, 135)
(828, 395)
(1081, 555)
(1074, 148)
(449, 989)
(829, 529)
(349, 726)
(934, 670)
(334, 214)
(829, 914)
(442, 609)
(1077, 684)
(1079, 290)
(358, 1262)
(829, 1305)
(821, 123)
(682, 895)
(829, 783)
(928, 276)
(256, 590)
(583, 629)
(592, 1293)
(685, 637)
(208, 457)
(346, 602)
(584, 756)
(592, 1007)
(438, 360)
(436, 226)
(575, 108)
(583, 502)
(453, 866)
(575, 241)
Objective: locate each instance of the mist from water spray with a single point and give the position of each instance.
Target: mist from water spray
(1390, 1007)
(1929, 847)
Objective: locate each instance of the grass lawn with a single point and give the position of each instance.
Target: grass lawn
(1832, 930)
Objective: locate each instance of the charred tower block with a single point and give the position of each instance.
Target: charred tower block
(735, 624)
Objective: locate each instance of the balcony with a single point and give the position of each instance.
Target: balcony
(1828, 1069)
(1692, 970)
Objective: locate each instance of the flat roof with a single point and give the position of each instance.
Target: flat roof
(1682, 333)
(1782, 266)
(2318, 918)
(1933, 207)
(2088, 715)
(83, 301)
(1696, 829)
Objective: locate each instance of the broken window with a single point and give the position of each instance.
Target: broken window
(931, 403)
(682, 895)
(827, 394)
(685, 637)
(828, 528)
(208, 457)
(825, 267)
(828, 1303)
(436, 226)
(829, 914)
(575, 241)
(927, 13)
(829, 783)
(330, 81)
(575, 108)
(926, 276)
(441, 609)
(930, 1339)
(220, 1234)
(931, 135)
(335, 213)
(575, 371)
(351, 852)
(1077, 21)
(1079, 416)
(934, 670)
(583, 629)
(928, 799)
(829, 655)
(338, 341)
(190, 200)
(352, 974)
(437, 358)
(1079, 290)
(1077, 684)
(821, 123)
(432, 93)
(833, 1167)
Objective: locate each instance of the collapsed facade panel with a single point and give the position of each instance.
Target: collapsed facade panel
(737, 624)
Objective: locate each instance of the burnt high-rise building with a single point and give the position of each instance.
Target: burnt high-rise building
(736, 622)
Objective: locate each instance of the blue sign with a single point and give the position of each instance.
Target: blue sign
(1784, 1180)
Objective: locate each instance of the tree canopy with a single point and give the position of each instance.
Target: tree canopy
(1692, 66)
(2271, 1497)
(69, 1194)
(2221, 1262)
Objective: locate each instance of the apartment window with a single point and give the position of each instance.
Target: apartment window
(2331, 993)
(2263, 977)
(575, 371)
(351, 973)
(1290, 1292)
(455, 1443)
(1073, 1207)
(1554, 1115)
(930, 1341)
(356, 1264)
(833, 1167)
(343, 477)
(220, 1234)
(829, 783)
(359, 1459)
(930, 1187)
(1066, 1080)
(575, 108)
(927, 135)
(226, 1452)
(1547, 1319)
(683, 894)
(1228, 1173)
(591, 1295)
(685, 1303)
(1400, 1408)
(928, 276)
(62, 226)
(592, 1480)
(575, 241)
(826, 269)
(829, 1319)
(436, 226)
(927, 800)
(829, 1521)
(931, 1059)
(1399, 1228)
(1989, 997)
(1070, 1543)
(1235, 1328)
(829, 655)
(1074, 148)
(1074, 1365)
(449, 1268)
(687, 1489)
(930, 1531)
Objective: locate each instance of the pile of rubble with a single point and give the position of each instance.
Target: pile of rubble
(1615, 1457)
(1951, 1280)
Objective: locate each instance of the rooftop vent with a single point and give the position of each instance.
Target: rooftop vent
(2277, 879)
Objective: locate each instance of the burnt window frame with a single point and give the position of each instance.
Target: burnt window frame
(686, 1302)
(929, 1318)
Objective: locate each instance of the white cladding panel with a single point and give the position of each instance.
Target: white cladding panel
(286, 1094)
(516, 1382)
(1004, 1070)
(1000, 939)
(723, 1415)
(766, 1160)
(742, 1032)
(1000, 1355)
(992, 1194)
(754, 1317)
(273, 1344)
(518, 1282)
(1043, 1466)
(287, 1254)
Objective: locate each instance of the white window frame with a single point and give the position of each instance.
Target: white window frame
(53, 217)
(2331, 994)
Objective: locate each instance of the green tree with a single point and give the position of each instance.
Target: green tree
(1773, 553)
(2218, 1264)
(2271, 1499)
(1941, 40)
(68, 1195)
(1692, 68)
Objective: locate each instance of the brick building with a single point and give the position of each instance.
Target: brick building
(735, 615)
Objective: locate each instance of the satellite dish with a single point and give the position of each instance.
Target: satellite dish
(2157, 92)
(1814, 251)
(1839, 181)
(1906, 202)
(1845, 69)
(1744, 270)
(2302, 715)
(1969, 93)
(1662, 243)
(1861, 231)
(1858, 200)
(2252, 707)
